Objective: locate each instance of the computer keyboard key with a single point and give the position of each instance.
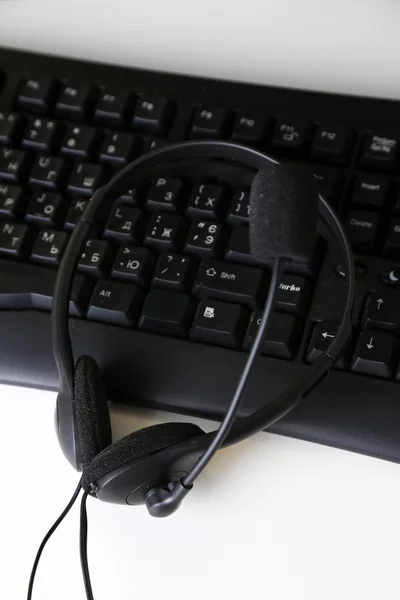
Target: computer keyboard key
(370, 190)
(209, 122)
(175, 271)
(206, 201)
(238, 249)
(293, 295)
(382, 311)
(96, 257)
(85, 179)
(282, 338)
(81, 292)
(49, 247)
(75, 100)
(289, 134)
(329, 184)
(167, 313)
(153, 114)
(360, 269)
(12, 201)
(15, 239)
(80, 141)
(131, 197)
(11, 126)
(165, 194)
(379, 152)
(165, 232)
(36, 95)
(134, 265)
(117, 303)
(152, 143)
(321, 339)
(205, 239)
(249, 128)
(331, 144)
(233, 283)
(14, 164)
(376, 354)
(392, 244)
(239, 209)
(396, 205)
(118, 149)
(219, 323)
(113, 107)
(41, 135)
(391, 277)
(75, 211)
(125, 224)
(45, 209)
(361, 227)
(49, 172)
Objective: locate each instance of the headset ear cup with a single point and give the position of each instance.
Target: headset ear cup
(135, 446)
(91, 409)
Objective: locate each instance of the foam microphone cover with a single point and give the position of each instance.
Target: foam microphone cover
(283, 213)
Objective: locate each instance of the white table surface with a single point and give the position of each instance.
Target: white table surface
(274, 518)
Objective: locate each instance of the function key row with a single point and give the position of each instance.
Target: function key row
(78, 101)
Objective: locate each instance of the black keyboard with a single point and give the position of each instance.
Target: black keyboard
(167, 296)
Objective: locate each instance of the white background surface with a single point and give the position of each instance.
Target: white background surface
(275, 518)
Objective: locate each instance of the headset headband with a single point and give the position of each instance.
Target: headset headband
(166, 160)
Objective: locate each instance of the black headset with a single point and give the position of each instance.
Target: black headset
(158, 465)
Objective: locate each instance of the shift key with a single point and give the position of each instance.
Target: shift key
(232, 283)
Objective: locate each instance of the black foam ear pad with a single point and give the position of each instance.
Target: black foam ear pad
(91, 409)
(136, 445)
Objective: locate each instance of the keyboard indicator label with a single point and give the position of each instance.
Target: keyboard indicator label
(209, 312)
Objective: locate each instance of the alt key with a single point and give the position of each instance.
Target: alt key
(116, 303)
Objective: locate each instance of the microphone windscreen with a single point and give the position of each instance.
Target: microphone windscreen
(283, 213)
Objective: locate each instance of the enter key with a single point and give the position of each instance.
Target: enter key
(232, 283)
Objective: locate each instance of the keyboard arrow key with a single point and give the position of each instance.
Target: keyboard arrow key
(375, 354)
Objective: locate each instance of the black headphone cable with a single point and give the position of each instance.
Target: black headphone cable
(48, 536)
(83, 538)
